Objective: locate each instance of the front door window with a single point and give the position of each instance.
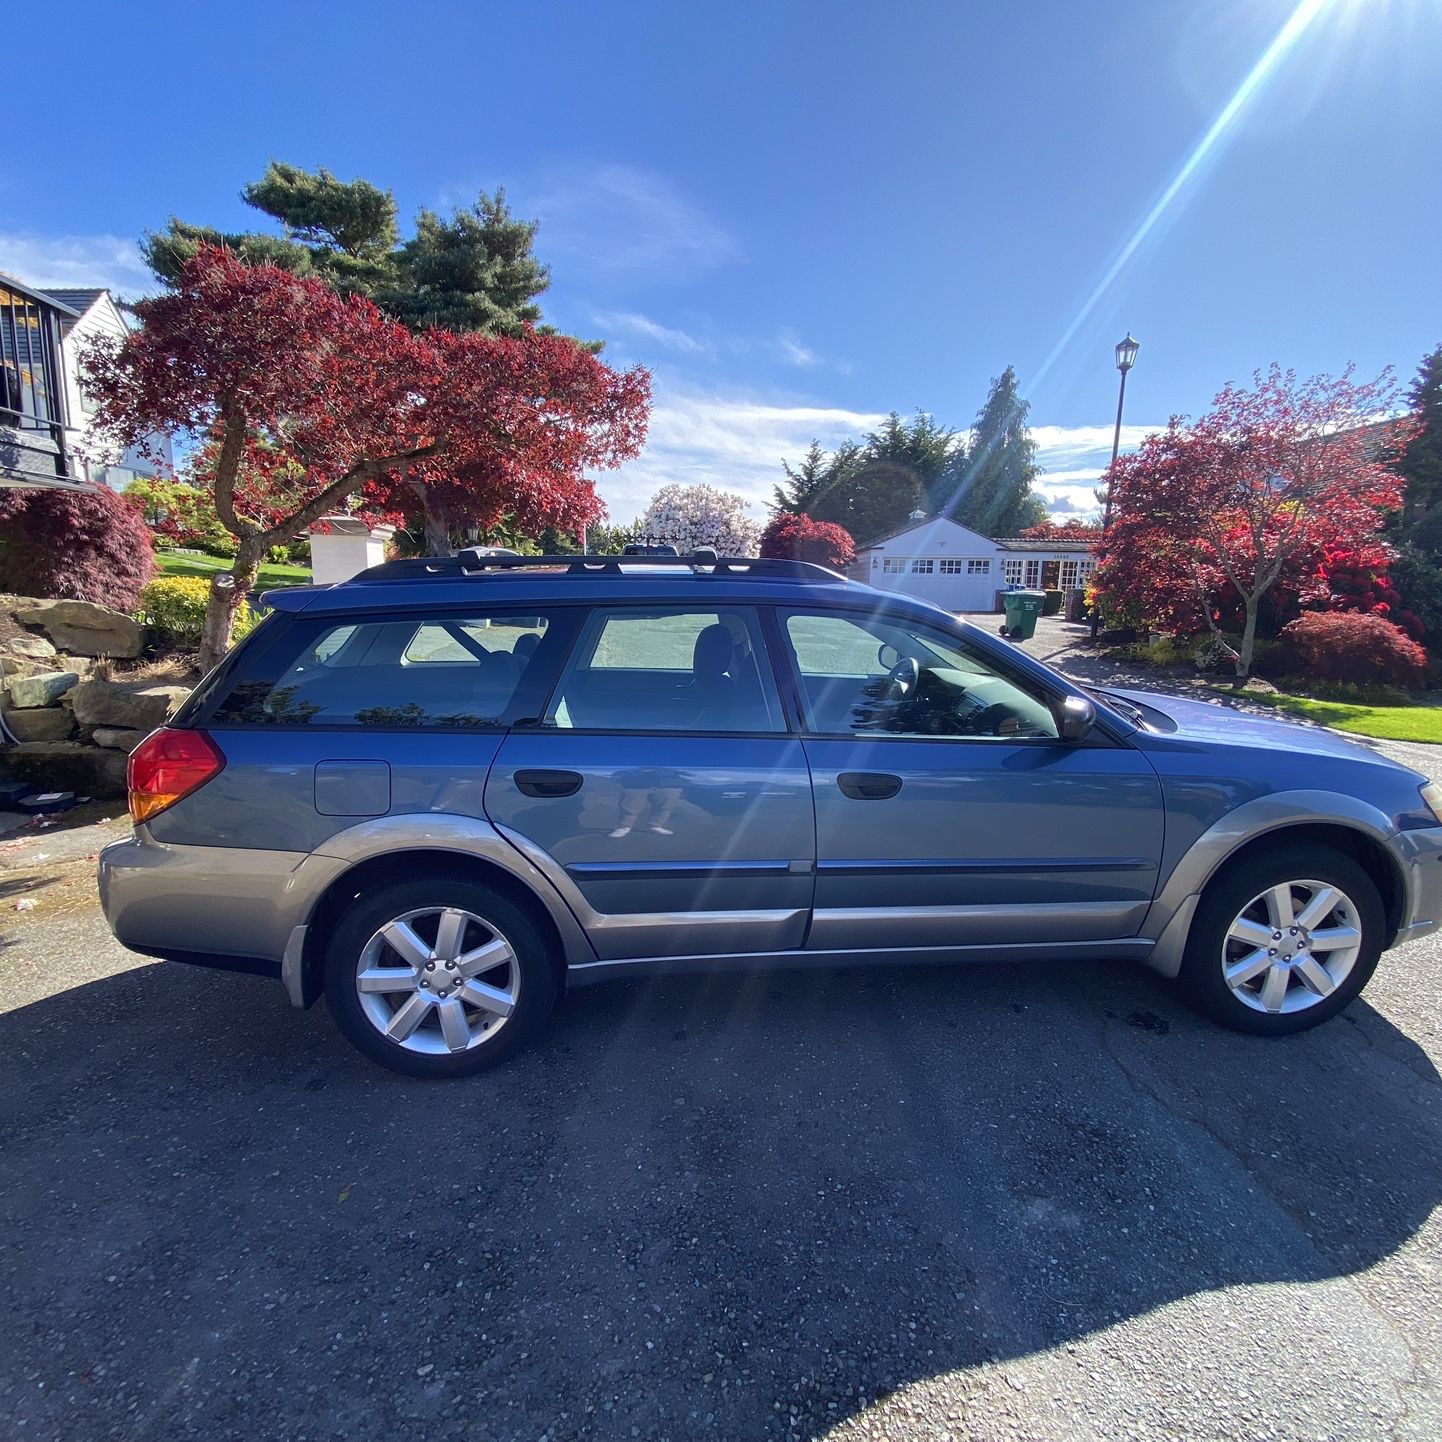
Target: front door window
(873, 676)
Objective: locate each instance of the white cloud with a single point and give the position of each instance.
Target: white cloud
(111, 261)
(622, 219)
(630, 322)
(790, 349)
(733, 441)
(1081, 445)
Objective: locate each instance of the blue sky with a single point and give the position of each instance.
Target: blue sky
(802, 215)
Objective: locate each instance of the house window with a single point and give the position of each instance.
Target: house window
(952, 566)
(1085, 568)
(978, 568)
(893, 565)
(26, 362)
(922, 567)
(1011, 572)
(1066, 575)
(1033, 574)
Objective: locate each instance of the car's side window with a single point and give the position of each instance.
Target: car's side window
(438, 671)
(876, 675)
(668, 668)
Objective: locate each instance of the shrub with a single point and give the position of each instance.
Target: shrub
(1349, 646)
(792, 537)
(174, 608)
(74, 545)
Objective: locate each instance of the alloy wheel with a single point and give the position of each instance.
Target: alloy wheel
(438, 980)
(1291, 946)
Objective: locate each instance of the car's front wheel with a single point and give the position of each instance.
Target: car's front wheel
(438, 978)
(1282, 943)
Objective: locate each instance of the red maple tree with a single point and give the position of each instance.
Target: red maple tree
(309, 398)
(1243, 505)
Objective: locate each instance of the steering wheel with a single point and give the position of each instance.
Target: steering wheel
(902, 680)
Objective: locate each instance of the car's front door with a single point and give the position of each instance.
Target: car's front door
(948, 810)
(661, 791)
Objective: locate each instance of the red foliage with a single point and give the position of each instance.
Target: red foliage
(312, 397)
(793, 537)
(1062, 531)
(1347, 646)
(74, 545)
(1244, 504)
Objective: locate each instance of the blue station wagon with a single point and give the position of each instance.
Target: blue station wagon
(444, 791)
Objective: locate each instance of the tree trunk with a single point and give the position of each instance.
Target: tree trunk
(1249, 637)
(227, 592)
(438, 530)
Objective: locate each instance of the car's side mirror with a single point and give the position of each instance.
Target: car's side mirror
(1075, 717)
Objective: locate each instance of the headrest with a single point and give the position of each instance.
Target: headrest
(713, 651)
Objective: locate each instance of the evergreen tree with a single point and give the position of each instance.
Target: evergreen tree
(472, 272)
(988, 487)
(921, 444)
(869, 500)
(1421, 462)
(816, 474)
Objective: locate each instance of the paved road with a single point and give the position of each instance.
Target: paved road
(1037, 1202)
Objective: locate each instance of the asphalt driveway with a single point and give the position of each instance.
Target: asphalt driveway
(1040, 1201)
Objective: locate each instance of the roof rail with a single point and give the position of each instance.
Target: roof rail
(701, 563)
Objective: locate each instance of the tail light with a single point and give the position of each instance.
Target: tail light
(167, 765)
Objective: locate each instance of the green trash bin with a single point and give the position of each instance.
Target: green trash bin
(1022, 608)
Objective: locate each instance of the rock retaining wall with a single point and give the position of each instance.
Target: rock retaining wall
(73, 732)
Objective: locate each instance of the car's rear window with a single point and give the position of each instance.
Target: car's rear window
(448, 671)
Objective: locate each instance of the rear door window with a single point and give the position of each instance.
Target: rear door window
(669, 668)
(458, 671)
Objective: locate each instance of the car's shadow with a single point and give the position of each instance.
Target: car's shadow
(697, 1205)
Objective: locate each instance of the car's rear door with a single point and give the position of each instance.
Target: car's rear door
(662, 790)
(957, 816)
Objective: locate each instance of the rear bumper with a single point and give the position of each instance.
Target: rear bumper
(215, 905)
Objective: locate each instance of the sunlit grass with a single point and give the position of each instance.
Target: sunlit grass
(172, 563)
(1384, 723)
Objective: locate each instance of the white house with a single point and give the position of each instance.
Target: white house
(94, 313)
(942, 562)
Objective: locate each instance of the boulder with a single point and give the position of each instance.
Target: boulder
(40, 690)
(69, 766)
(43, 723)
(118, 738)
(83, 627)
(37, 648)
(129, 705)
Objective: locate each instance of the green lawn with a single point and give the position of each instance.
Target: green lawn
(198, 564)
(1386, 723)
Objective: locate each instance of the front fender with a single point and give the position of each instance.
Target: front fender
(1170, 916)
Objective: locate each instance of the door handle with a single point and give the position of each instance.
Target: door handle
(868, 785)
(548, 783)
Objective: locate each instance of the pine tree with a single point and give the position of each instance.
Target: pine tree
(474, 271)
(1421, 462)
(989, 487)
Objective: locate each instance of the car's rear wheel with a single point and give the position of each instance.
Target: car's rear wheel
(1282, 943)
(438, 978)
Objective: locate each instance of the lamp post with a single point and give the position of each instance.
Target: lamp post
(1126, 358)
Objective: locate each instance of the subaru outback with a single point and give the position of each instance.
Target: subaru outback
(444, 791)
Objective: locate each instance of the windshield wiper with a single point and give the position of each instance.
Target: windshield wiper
(1129, 709)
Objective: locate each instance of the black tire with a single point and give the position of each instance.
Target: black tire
(1201, 977)
(535, 994)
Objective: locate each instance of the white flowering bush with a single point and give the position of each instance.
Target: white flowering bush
(691, 516)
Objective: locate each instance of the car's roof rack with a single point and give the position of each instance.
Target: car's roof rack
(701, 563)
